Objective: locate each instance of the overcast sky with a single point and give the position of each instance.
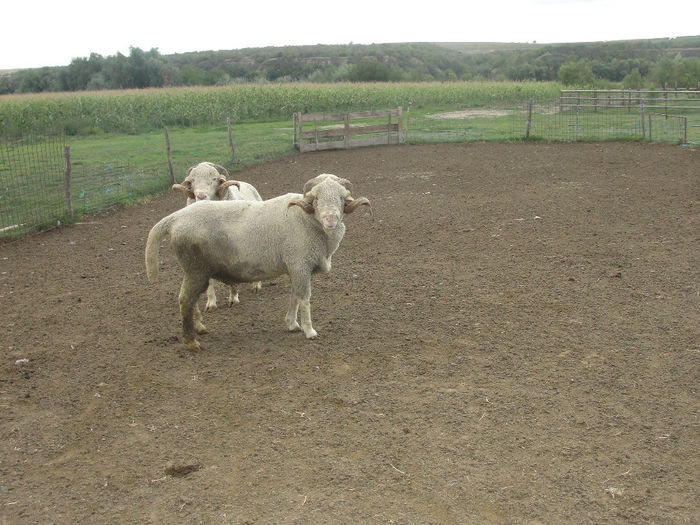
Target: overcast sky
(51, 33)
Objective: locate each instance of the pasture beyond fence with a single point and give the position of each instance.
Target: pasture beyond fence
(39, 190)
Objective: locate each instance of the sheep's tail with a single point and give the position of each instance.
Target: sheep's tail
(153, 247)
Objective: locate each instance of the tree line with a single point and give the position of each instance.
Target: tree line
(656, 63)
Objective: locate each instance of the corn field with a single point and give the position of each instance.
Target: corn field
(137, 111)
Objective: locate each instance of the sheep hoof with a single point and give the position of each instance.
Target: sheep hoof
(200, 328)
(310, 333)
(233, 300)
(292, 325)
(193, 346)
(210, 306)
(256, 287)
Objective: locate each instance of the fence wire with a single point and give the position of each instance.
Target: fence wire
(32, 188)
(552, 122)
(33, 170)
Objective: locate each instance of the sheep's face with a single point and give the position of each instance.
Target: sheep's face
(329, 203)
(205, 187)
(328, 198)
(205, 182)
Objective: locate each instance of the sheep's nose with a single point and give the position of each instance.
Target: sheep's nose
(201, 196)
(330, 221)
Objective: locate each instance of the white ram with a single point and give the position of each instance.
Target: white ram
(209, 181)
(244, 241)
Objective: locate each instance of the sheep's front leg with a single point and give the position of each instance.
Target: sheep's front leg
(309, 331)
(292, 313)
(211, 298)
(300, 297)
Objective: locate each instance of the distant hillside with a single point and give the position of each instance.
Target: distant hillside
(680, 47)
(656, 62)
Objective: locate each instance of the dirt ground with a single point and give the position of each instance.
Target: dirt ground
(512, 337)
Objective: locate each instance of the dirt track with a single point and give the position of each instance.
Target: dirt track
(513, 337)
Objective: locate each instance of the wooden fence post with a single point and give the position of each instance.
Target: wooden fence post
(529, 119)
(230, 141)
(400, 125)
(408, 122)
(346, 125)
(388, 130)
(69, 198)
(300, 142)
(170, 160)
(294, 119)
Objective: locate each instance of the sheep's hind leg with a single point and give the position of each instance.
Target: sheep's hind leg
(233, 295)
(198, 325)
(191, 317)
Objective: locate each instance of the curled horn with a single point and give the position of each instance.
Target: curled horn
(310, 184)
(306, 203)
(320, 178)
(220, 169)
(351, 204)
(345, 183)
(223, 188)
(184, 189)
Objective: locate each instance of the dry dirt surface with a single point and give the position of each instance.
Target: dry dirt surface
(511, 337)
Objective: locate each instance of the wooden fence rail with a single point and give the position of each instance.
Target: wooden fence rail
(337, 131)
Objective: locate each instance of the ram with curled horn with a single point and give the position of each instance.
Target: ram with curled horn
(208, 181)
(245, 241)
(307, 203)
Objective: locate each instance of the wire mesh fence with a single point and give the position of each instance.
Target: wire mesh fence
(554, 122)
(38, 190)
(95, 188)
(32, 186)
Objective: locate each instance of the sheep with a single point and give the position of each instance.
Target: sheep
(208, 181)
(245, 241)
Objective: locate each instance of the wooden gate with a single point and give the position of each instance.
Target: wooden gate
(336, 130)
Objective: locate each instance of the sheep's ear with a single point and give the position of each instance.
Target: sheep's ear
(351, 204)
(224, 185)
